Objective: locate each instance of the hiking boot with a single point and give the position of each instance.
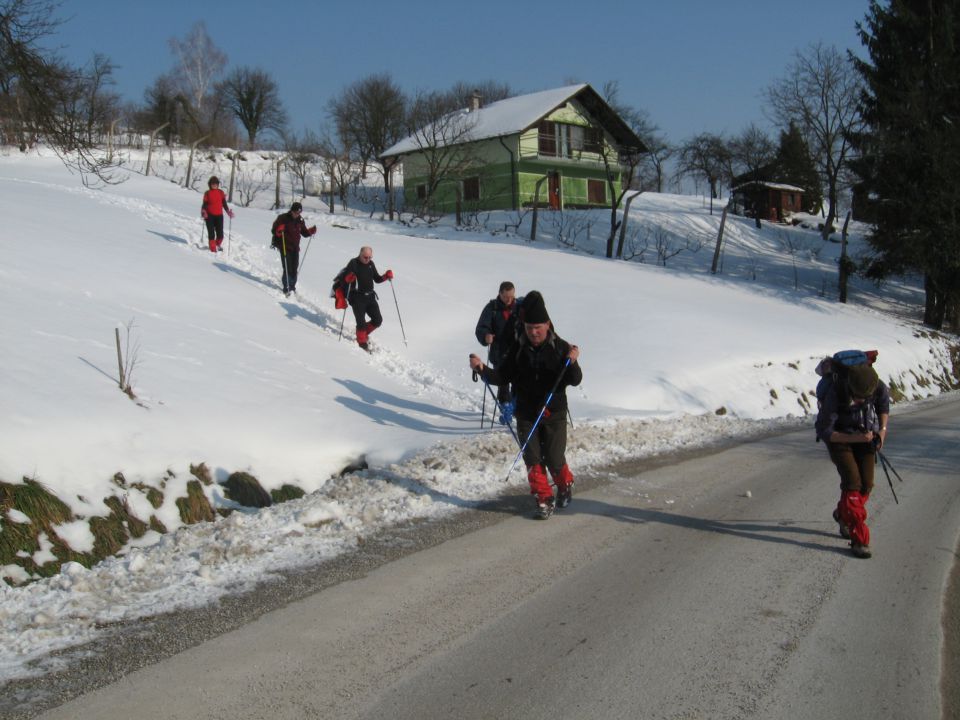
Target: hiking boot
(544, 509)
(844, 530)
(365, 346)
(860, 551)
(564, 496)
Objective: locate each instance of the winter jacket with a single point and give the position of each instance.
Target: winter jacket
(500, 321)
(214, 202)
(366, 274)
(838, 414)
(532, 371)
(293, 230)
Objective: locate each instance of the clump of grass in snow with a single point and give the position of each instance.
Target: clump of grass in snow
(245, 489)
(286, 492)
(195, 507)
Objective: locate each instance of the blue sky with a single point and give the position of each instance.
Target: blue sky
(694, 66)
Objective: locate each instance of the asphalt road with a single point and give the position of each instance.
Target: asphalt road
(666, 593)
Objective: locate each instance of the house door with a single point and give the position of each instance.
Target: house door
(554, 184)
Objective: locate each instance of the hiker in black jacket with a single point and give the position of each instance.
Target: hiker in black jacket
(497, 329)
(533, 366)
(358, 276)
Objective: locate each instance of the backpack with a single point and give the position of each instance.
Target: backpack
(833, 370)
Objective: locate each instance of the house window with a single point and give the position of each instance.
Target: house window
(421, 192)
(597, 192)
(547, 138)
(471, 188)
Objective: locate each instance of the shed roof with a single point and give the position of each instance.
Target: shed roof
(771, 186)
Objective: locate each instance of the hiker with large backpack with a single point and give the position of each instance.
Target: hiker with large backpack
(497, 329)
(540, 367)
(354, 285)
(854, 410)
(285, 235)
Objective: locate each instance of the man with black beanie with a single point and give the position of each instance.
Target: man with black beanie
(533, 367)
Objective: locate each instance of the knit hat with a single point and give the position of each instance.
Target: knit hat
(296, 207)
(534, 309)
(862, 381)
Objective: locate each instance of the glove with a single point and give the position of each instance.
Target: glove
(349, 278)
(203, 214)
(388, 275)
(311, 230)
(279, 231)
(230, 213)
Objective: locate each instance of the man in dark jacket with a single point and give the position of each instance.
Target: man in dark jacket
(536, 363)
(355, 282)
(852, 422)
(497, 329)
(287, 230)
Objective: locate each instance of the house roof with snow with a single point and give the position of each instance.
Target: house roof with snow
(770, 186)
(518, 114)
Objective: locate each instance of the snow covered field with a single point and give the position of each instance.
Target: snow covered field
(230, 373)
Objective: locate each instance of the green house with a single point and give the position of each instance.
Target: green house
(557, 148)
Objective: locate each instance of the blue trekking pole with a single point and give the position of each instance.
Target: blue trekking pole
(539, 418)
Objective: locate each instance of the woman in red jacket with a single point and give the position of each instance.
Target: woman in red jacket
(214, 205)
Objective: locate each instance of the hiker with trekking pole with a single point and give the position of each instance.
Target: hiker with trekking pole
(285, 235)
(497, 330)
(353, 285)
(852, 421)
(211, 210)
(540, 367)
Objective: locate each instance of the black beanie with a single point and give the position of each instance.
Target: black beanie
(534, 310)
(296, 207)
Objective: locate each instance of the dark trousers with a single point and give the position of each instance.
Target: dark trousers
(548, 446)
(855, 464)
(290, 262)
(214, 227)
(364, 305)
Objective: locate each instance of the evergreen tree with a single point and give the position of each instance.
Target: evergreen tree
(795, 166)
(910, 147)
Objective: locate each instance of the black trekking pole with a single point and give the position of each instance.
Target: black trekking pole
(398, 311)
(483, 407)
(229, 235)
(304, 258)
(887, 469)
(203, 230)
(539, 417)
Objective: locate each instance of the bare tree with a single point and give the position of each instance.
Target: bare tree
(301, 153)
(254, 99)
(820, 93)
(369, 116)
(338, 165)
(619, 161)
(99, 104)
(443, 138)
(706, 156)
(199, 62)
(36, 86)
(652, 171)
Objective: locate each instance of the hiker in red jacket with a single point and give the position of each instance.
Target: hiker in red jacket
(212, 209)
